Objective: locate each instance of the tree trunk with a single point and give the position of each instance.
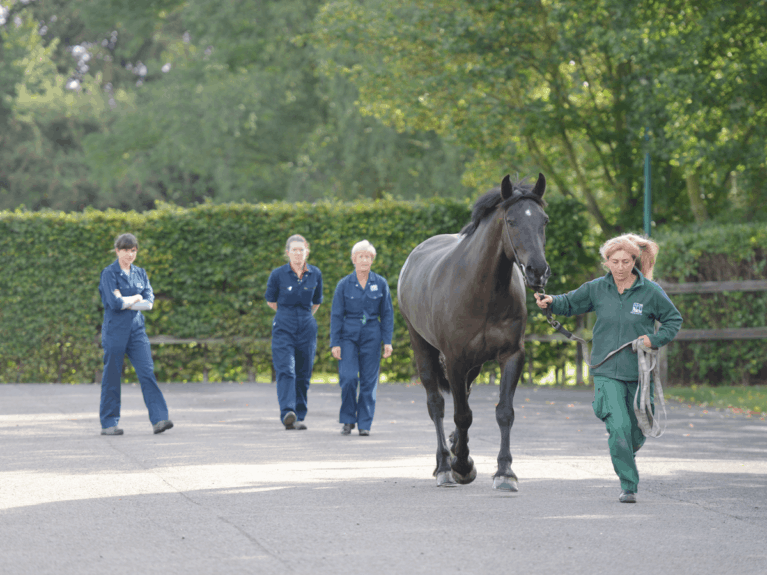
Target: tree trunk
(695, 194)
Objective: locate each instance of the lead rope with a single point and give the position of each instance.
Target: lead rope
(649, 371)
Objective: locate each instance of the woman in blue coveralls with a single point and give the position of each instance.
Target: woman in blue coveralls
(125, 291)
(294, 291)
(360, 319)
(627, 304)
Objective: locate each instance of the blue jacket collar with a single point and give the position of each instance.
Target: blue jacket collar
(116, 266)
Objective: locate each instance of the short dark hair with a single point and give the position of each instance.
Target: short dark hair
(126, 242)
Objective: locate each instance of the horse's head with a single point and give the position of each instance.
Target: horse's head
(525, 229)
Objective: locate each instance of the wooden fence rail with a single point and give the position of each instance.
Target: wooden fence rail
(714, 287)
(738, 333)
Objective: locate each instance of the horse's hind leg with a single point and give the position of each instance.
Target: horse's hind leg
(504, 478)
(432, 378)
(461, 463)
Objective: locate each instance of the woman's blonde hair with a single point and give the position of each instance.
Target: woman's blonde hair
(643, 250)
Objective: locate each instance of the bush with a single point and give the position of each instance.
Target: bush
(208, 266)
(717, 253)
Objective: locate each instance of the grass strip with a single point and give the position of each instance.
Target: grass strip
(749, 400)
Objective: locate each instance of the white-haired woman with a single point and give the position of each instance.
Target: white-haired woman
(627, 304)
(361, 318)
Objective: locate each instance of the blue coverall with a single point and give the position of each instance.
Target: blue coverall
(294, 334)
(123, 332)
(360, 320)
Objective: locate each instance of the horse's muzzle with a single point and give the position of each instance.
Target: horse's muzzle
(535, 279)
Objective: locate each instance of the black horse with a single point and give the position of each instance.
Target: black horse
(463, 299)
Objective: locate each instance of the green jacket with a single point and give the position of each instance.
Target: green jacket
(621, 318)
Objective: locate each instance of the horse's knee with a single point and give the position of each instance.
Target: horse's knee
(436, 405)
(463, 420)
(504, 415)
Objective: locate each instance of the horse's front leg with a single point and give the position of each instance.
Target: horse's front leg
(436, 405)
(504, 478)
(461, 463)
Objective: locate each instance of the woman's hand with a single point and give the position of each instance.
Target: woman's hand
(336, 351)
(133, 300)
(543, 301)
(388, 349)
(646, 341)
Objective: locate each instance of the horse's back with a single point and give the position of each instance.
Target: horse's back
(425, 257)
(420, 272)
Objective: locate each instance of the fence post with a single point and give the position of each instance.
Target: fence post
(579, 351)
(205, 363)
(530, 365)
(663, 364)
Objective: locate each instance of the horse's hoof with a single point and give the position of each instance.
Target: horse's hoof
(464, 479)
(506, 483)
(445, 479)
(467, 477)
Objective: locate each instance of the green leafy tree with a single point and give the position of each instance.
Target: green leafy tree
(708, 67)
(562, 87)
(240, 113)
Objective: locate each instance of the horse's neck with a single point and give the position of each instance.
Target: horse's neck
(485, 254)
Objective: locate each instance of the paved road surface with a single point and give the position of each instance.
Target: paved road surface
(228, 490)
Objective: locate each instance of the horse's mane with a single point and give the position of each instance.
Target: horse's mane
(488, 202)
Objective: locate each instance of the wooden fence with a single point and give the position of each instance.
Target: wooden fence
(712, 334)
(581, 354)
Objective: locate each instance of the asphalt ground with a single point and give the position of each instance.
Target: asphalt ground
(228, 490)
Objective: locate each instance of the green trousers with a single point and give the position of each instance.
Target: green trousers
(614, 404)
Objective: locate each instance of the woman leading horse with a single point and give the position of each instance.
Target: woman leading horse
(627, 304)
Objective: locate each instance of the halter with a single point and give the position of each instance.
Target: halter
(513, 249)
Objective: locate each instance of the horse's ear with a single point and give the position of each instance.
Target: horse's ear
(540, 186)
(506, 188)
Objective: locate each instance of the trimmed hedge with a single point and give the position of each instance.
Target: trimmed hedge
(208, 266)
(717, 253)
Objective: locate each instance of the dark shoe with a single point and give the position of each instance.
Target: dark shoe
(299, 425)
(347, 429)
(627, 497)
(163, 425)
(112, 431)
(364, 432)
(289, 420)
